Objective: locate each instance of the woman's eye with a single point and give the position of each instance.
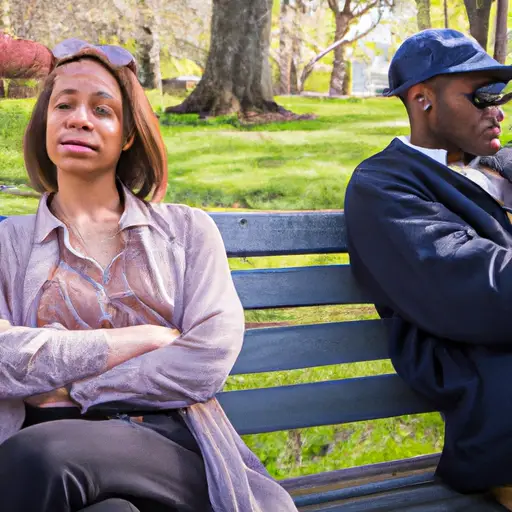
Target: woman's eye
(103, 111)
(62, 106)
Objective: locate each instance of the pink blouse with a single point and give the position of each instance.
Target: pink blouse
(81, 295)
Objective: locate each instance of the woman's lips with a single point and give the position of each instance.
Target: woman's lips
(76, 148)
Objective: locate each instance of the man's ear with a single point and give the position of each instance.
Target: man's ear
(420, 94)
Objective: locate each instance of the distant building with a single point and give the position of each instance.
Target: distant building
(370, 76)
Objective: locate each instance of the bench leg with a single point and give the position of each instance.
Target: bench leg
(111, 505)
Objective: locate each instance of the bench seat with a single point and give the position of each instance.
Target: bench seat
(406, 485)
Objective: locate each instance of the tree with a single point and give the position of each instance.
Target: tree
(344, 18)
(148, 48)
(501, 42)
(286, 25)
(479, 12)
(149, 28)
(237, 77)
(185, 29)
(446, 16)
(423, 14)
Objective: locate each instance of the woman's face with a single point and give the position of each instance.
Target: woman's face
(84, 130)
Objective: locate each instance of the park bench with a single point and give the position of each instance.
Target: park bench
(405, 485)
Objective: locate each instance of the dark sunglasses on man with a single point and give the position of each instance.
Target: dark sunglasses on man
(491, 95)
(115, 54)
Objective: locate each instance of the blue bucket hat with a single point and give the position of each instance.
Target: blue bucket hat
(439, 52)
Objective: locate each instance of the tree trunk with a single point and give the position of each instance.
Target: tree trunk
(294, 79)
(347, 79)
(148, 50)
(446, 15)
(338, 68)
(236, 78)
(296, 52)
(501, 42)
(423, 14)
(285, 46)
(479, 12)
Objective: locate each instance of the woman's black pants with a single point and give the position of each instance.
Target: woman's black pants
(69, 465)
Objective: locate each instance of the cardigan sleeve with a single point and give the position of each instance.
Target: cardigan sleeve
(38, 360)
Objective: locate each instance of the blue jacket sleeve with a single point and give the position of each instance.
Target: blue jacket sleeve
(427, 264)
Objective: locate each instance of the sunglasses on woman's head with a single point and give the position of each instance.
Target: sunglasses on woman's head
(491, 95)
(115, 54)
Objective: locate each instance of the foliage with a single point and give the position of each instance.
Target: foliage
(183, 25)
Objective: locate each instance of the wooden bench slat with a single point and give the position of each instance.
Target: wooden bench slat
(307, 346)
(348, 477)
(363, 489)
(432, 497)
(265, 234)
(298, 286)
(321, 403)
(367, 489)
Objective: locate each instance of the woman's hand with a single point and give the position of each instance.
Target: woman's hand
(128, 342)
(60, 395)
(5, 325)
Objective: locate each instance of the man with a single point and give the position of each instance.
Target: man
(430, 237)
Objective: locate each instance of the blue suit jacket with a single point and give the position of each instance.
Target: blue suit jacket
(435, 251)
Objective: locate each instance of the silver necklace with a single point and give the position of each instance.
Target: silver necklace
(60, 214)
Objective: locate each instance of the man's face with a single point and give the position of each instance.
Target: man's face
(460, 125)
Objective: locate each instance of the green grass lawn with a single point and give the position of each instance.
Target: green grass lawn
(294, 165)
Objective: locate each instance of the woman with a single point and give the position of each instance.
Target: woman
(106, 297)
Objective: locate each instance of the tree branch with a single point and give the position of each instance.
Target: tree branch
(367, 8)
(334, 6)
(308, 68)
(367, 31)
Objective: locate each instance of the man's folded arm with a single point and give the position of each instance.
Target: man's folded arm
(427, 264)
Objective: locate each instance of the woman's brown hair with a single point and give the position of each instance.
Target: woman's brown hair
(142, 168)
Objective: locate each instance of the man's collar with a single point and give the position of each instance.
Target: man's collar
(439, 155)
(136, 213)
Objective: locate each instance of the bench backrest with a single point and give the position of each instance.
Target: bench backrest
(305, 346)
